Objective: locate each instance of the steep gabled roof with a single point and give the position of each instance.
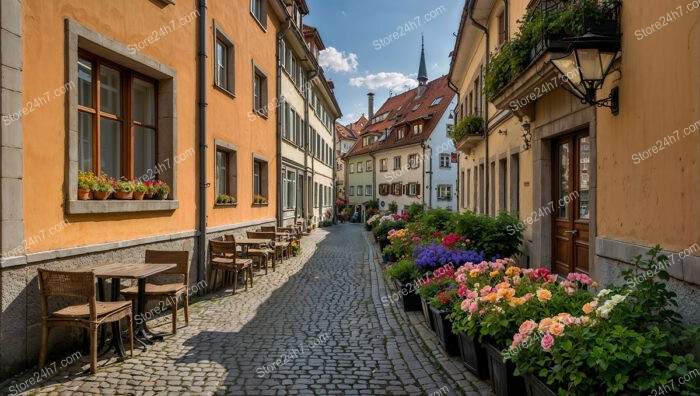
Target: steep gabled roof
(344, 132)
(312, 34)
(405, 110)
(359, 125)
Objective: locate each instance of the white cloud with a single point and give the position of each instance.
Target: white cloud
(337, 61)
(389, 80)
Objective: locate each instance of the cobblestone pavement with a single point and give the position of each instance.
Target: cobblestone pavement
(315, 326)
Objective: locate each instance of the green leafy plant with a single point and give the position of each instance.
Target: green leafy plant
(393, 207)
(160, 189)
(631, 342)
(326, 223)
(103, 184)
(496, 237)
(259, 199)
(415, 211)
(439, 219)
(123, 185)
(140, 187)
(225, 199)
(470, 125)
(570, 19)
(404, 271)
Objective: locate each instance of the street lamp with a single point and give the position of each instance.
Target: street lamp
(585, 67)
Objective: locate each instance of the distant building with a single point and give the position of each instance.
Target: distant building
(404, 153)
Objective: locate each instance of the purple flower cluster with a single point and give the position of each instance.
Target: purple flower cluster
(435, 256)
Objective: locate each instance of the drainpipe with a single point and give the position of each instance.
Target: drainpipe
(422, 145)
(312, 74)
(486, 110)
(430, 178)
(280, 37)
(202, 99)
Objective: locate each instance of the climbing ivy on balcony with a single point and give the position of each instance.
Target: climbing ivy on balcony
(550, 20)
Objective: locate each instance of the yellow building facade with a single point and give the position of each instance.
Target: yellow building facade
(593, 187)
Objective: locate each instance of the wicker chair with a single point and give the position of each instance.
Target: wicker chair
(223, 257)
(89, 315)
(169, 291)
(281, 247)
(265, 254)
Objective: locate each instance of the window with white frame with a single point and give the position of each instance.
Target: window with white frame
(259, 10)
(360, 191)
(418, 129)
(412, 189)
(368, 165)
(413, 161)
(444, 192)
(396, 189)
(290, 189)
(351, 169)
(401, 133)
(397, 162)
(359, 167)
(382, 165)
(384, 189)
(351, 191)
(368, 190)
(445, 161)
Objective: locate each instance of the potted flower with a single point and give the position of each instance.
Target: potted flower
(628, 340)
(150, 189)
(404, 274)
(160, 190)
(296, 248)
(225, 199)
(432, 286)
(440, 308)
(102, 188)
(140, 190)
(86, 183)
(123, 189)
(259, 200)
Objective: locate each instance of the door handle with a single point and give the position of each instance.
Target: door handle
(572, 232)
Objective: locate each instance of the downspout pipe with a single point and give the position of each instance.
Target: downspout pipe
(422, 145)
(202, 132)
(486, 110)
(310, 76)
(430, 177)
(280, 37)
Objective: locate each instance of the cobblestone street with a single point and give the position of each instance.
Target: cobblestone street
(315, 326)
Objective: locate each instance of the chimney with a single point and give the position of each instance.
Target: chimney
(370, 105)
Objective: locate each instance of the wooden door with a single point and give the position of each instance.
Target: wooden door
(571, 203)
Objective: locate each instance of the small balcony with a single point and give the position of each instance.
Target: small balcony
(468, 132)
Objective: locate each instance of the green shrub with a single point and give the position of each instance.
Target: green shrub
(405, 271)
(439, 219)
(393, 207)
(415, 211)
(496, 237)
(381, 231)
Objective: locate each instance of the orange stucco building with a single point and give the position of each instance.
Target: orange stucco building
(180, 91)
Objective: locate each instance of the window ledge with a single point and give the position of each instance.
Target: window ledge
(260, 204)
(261, 113)
(222, 205)
(224, 90)
(117, 206)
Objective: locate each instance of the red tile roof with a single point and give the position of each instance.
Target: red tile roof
(403, 111)
(344, 132)
(359, 125)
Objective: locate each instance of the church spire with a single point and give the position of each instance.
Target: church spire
(422, 70)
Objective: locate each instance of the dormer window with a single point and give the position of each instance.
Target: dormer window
(436, 101)
(401, 133)
(416, 107)
(417, 129)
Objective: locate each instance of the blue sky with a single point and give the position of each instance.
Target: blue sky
(374, 45)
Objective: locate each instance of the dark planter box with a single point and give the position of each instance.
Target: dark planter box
(443, 329)
(503, 381)
(473, 355)
(426, 314)
(535, 387)
(411, 300)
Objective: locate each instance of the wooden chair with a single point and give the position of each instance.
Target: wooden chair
(264, 254)
(281, 247)
(223, 257)
(169, 291)
(269, 251)
(89, 315)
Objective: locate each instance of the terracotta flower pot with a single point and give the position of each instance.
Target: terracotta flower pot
(121, 194)
(138, 196)
(83, 194)
(148, 195)
(100, 195)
